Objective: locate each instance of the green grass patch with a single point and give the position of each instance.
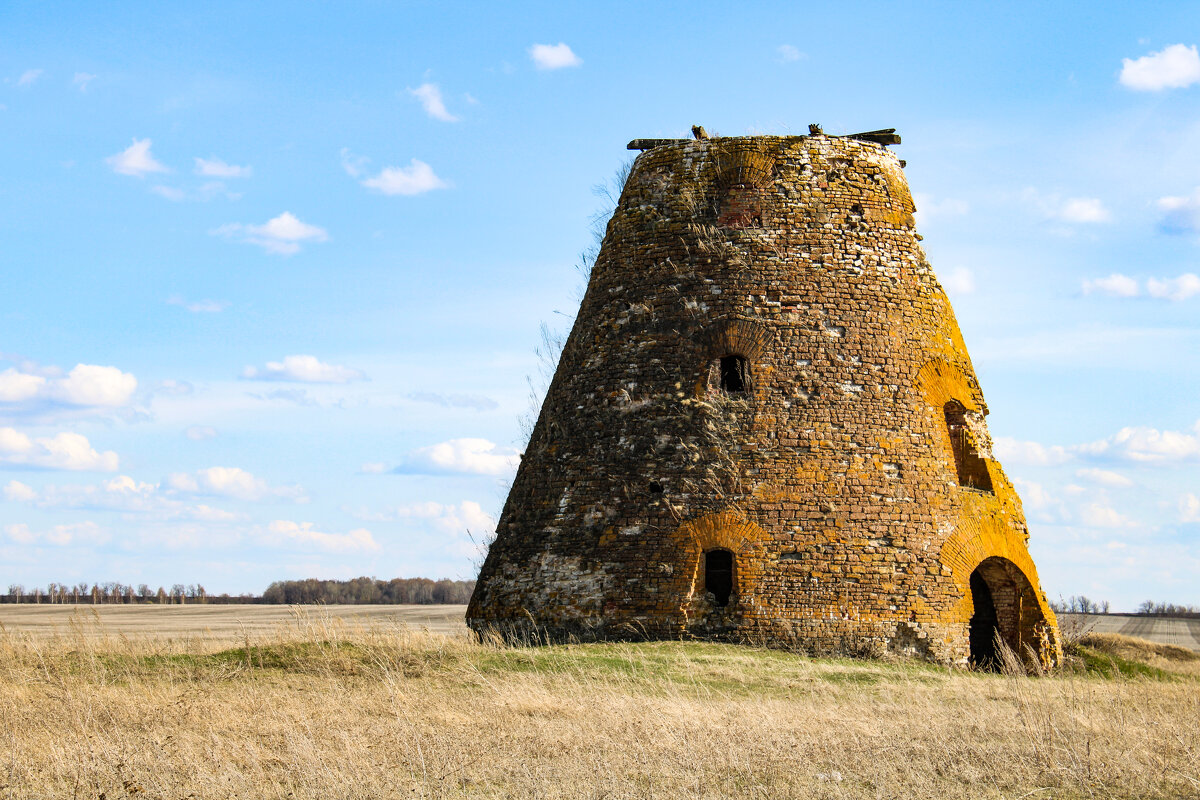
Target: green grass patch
(1110, 666)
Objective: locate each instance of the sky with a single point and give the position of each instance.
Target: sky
(273, 274)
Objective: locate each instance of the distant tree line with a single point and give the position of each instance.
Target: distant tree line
(1153, 609)
(370, 591)
(1079, 605)
(398, 591)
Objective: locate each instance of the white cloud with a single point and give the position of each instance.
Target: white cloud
(431, 100)
(135, 160)
(70, 451)
(285, 532)
(1008, 450)
(15, 490)
(1104, 477)
(929, 207)
(1102, 516)
(1174, 67)
(198, 433)
(216, 168)
(199, 306)
(84, 533)
(171, 193)
(1115, 285)
(29, 77)
(470, 456)
(303, 369)
(417, 178)
(82, 79)
(786, 53)
(93, 385)
(1084, 210)
(1181, 215)
(1145, 444)
(959, 281)
(231, 482)
(553, 56)
(16, 387)
(283, 234)
(451, 519)
(373, 468)
(1189, 508)
(353, 164)
(1182, 288)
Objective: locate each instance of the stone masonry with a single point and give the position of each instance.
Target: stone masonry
(765, 426)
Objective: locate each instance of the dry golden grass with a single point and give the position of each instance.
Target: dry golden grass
(323, 709)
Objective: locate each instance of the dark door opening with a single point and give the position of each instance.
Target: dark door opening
(734, 376)
(718, 575)
(984, 625)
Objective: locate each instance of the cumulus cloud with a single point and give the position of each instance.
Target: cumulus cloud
(553, 56)
(1104, 477)
(1174, 67)
(84, 533)
(199, 306)
(216, 168)
(302, 369)
(1189, 508)
(231, 482)
(123, 494)
(17, 387)
(20, 492)
(135, 160)
(93, 385)
(417, 178)
(1180, 215)
(29, 77)
(1144, 444)
(198, 433)
(282, 235)
(1008, 450)
(1084, 210)
(959, 281)
(67, 451)
(1184, 287)
(1099, 515)
(82, 79)
(464, 456)
(431, 100)
(1115, 285)
(304, 534)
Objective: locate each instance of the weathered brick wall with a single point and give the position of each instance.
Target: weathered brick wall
(832, 478)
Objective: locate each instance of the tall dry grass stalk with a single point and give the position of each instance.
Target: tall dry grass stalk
(325, 709)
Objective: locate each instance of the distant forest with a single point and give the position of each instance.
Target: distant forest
(363, 591)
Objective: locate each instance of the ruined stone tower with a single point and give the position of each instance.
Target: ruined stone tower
(765, 425)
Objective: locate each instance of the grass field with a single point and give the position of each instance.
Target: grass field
(370, 708)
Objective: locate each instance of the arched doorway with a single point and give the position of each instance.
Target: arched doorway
(718, 575)
(1005, 613)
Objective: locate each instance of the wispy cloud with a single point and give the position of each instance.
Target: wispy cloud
(75, 533)
(136, 160)
(1181, 215)
(216, 168)
(1075, 210)
(1183, 287)
(29, 77)
(476, 401)
(417, 178)
(82, 79)
(305, 534)
(553, 56)
(786, 54)
(232, 482)
(959, 281)
(199, 433)
(199, 306)
(1174, 67)
(302, 369)
(282, 235)
(431, 100)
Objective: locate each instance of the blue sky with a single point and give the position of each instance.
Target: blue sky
(273, 274)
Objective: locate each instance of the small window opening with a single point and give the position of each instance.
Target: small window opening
(718, 575)
(972, 470)
(656, 487)
(735, 376)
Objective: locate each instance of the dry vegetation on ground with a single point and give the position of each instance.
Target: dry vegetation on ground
(321, 709)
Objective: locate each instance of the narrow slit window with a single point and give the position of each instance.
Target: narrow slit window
(971, 468)
(718, 575)
(735, 374)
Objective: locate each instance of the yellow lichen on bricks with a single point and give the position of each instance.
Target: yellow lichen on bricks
(825, 480)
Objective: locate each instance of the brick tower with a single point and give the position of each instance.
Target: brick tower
(765, 426)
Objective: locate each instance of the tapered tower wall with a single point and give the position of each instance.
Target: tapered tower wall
(765, 364)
